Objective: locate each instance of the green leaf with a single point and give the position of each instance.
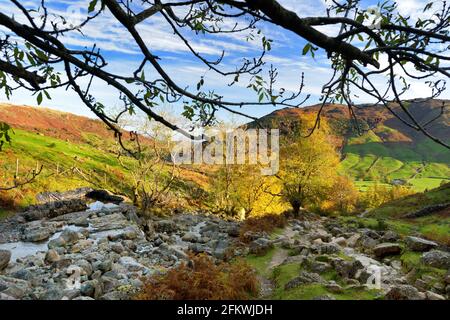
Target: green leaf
(307, 48)
(39, 98)
(92, 5)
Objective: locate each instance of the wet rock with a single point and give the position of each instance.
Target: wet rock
(56, 243)
(5, 257)
(419, 244)
(404, 292)
(386, 249)
(437, 259)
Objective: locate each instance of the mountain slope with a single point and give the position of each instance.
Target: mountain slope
(387, 150)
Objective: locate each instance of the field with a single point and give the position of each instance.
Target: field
(422, 166)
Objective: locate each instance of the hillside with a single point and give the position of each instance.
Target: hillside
(74, 151)
(387, 150)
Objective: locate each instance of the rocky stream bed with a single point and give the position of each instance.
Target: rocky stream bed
(74, 251)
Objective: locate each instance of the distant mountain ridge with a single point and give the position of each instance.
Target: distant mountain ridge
(388, 149)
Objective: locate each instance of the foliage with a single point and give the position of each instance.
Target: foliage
(342, 198)
(202, 279)
(5, 134)
(267, 223)
(307, 165)
(242, 188)
(377, 195)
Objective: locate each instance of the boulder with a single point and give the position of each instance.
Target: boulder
(53, 209)
(52, 256)
(404, 292)
(260, 246)
(70, 236)
(190, 237)
(434, 296)
(304, 278)
(386, 249)
(328, 248)
(104, 196)
(390, 236)
(167, 226)
(437, 259)
(5, 257)
(37, 235)
(419, 244)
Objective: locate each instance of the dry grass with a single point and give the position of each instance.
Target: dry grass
(202, 279)
(267, 223)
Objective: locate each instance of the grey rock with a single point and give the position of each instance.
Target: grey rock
(328, 248)
(404, 292)
(5, 257)
(437, 259)
(260, 246)
(304, 278)
(37, 235)
(167, 226)
(390, 236)
(220, 249)
(386, 249)
(52, 256)
(190, 237)
(91, 289)
(70, 236)
(433, 296)
(419, 244)
(56, 243)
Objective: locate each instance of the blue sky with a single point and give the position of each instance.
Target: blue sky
(123, 56)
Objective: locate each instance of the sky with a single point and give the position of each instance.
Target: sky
(123, 56)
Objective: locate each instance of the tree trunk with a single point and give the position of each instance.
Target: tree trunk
(296, 205)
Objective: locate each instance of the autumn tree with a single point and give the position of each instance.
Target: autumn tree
(308, 166)
(361, 46)
(241, 190)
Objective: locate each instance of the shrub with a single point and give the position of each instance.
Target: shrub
(202, 279)
(267, 223)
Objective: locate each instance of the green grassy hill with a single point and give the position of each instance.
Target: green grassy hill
(89, 160)
(386, 151)
(435, 226)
